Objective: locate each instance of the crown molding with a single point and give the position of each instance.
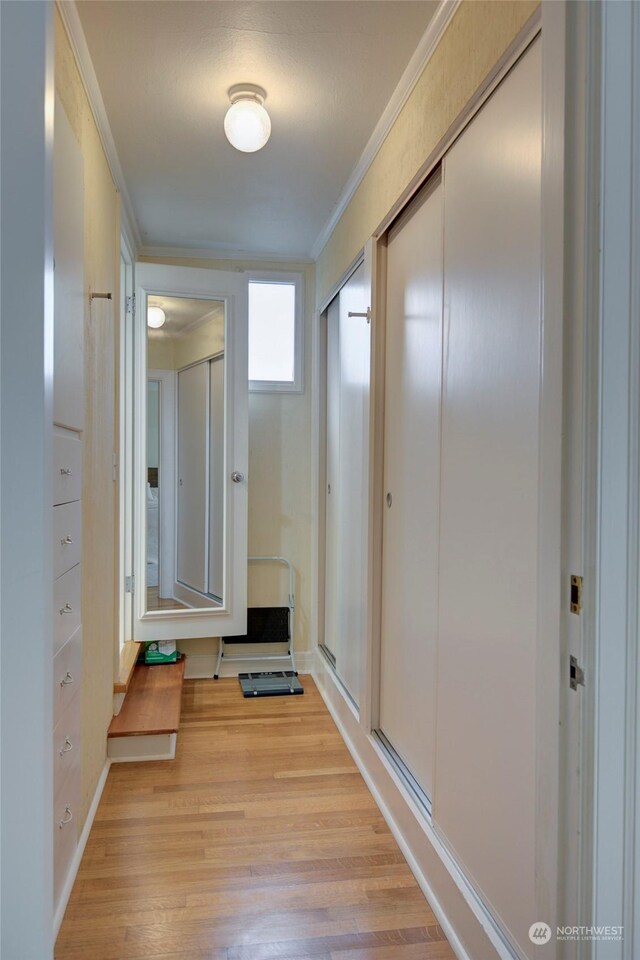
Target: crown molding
(73, 26)
(414, 69)
(219, 253)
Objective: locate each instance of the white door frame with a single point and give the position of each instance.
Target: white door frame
(125, 453)
(612, 798)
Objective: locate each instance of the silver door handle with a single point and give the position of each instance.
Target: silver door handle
(66, 540)
(353, 313)
(67, 679)
(68, 817)
(237, 477)
(66, 747)
(66, 609)
(66, 471)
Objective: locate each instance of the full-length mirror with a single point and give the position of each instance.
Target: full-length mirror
(191, 387)
(185, 453)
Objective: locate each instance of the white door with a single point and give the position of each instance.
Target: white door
(492, 499)
(348, 378)
(226, 311)
(412, 485)
(192, 476)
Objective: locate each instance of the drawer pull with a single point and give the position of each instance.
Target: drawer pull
(68, 817)
(67, 679)
(66, 609)
(66, 540)
(66, 747)
(66, 471)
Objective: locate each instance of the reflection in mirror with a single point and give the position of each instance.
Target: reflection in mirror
(185, 453)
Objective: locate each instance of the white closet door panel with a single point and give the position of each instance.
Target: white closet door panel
(216, 508)
(68, 242)
(332, 522)
(489, 498)
(193, 416)
(412, 466)
(354, 349)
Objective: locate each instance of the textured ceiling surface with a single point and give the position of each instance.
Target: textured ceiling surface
(164, 68)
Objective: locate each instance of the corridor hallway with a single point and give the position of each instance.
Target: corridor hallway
(260, 841)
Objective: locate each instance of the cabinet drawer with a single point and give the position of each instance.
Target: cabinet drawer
(66, 746)
(65, 831)
(67, 674)
(67, 468)
(67, 528)
(66, 607)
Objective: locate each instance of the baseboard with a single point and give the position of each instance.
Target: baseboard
(202, 666)
(389, 793)
(159, 746)
(77, 857)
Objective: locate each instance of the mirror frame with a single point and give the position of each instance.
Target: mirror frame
(203, 284)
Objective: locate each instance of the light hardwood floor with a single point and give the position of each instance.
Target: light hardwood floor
(260, 841)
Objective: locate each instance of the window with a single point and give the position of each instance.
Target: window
(275, 333)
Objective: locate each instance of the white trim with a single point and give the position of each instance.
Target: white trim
(387, 802)
(202, 666)
(615, 683)
(77, 857)
(137, 749)
(71, 19)
(221, 253)
(413, 71)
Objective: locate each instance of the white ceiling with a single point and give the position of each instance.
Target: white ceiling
(164, 68)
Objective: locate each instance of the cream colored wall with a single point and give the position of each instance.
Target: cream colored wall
(476, 38)
(99, 557)
(280, 508)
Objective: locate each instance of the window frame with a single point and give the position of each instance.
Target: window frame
(297, 384)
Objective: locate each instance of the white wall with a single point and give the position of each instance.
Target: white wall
(26, 345)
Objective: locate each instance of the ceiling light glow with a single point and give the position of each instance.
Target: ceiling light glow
(247, 124)
(156, 317)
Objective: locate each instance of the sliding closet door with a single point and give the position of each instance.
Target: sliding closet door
(412, 468)
(193, 415)
(348, 376)
(490, 495)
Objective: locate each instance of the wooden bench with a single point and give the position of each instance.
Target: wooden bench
(146, 727)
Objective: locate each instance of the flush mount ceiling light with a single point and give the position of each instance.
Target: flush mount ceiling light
(155, 317)
(247, 123)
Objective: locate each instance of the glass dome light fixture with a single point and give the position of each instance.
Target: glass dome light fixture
(156, 317)
(247, 124)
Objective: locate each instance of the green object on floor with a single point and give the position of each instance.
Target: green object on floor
(161, 651)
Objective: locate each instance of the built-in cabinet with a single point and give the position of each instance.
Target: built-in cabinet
(66, 494)
(462, 497)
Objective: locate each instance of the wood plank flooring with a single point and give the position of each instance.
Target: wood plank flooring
(260, 841)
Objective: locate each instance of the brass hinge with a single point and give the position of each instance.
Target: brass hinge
(576, 594)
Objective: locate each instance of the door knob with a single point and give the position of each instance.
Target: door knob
(237, 477)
